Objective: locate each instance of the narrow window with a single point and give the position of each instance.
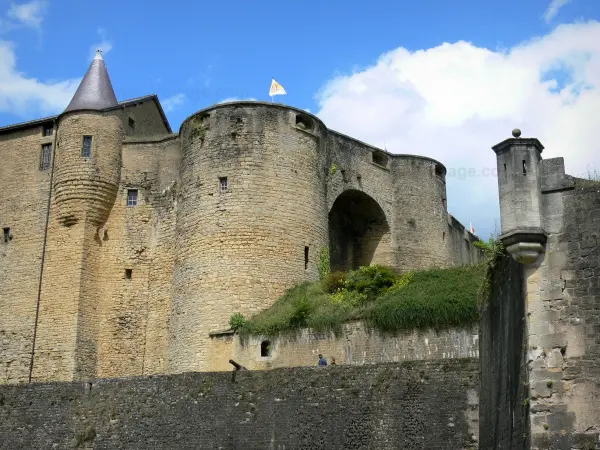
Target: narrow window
(45, 156)
(6, 231)
(131, 124)
(524, 168)
(132, 197)
(505, 173)
(86, 149)
(128, 273)
(443, 235)
(305, 258)
(48, 130)
(265, 349)
(223, 184)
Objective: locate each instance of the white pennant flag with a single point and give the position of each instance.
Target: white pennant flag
(276, 89)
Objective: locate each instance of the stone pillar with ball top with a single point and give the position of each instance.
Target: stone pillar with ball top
(522, 231)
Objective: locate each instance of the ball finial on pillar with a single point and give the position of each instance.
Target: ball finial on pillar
(516, 132)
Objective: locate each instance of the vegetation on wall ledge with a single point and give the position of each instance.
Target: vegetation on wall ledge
(592, 179)
(384, 300)
(494, 250)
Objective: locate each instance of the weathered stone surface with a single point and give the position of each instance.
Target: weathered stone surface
(562, 306)
(356, 344)
(504, 402)
(426, 405)
(137, 290)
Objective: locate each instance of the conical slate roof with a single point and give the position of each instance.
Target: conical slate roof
(95, 91)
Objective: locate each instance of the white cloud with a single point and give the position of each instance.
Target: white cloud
(173, 102)
(25, 96)
(553, 8)
(29, 14)
(105, 44)
(454, 101)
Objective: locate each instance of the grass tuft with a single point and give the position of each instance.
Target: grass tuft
(437, 298)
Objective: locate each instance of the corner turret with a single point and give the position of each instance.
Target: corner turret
(88, 151)
(518, 161)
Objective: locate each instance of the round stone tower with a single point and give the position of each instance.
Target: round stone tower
(88, 153)
(419, 214)
(251, 217)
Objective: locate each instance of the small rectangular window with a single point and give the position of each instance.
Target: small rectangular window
(128, 274)
(524, 167)
(86, 149)
(305, 258)
(132, 197)
(48, 130)
(131, 124)
(6, 233)
(45, 156)
(223, 184)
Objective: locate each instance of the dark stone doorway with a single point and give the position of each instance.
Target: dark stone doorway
(359, 233)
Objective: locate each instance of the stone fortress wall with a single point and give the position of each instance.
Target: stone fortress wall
(540, 353)
(418, 405)
(137, 290)
(356, 344)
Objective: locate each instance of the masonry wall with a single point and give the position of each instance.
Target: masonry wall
(239, 249)
(417, 232)
(148, 120)
(196, 255)
(134, 313)
(459, 244)
(356, 184)
(563, 306)
(354, 345)
(423, 405)
(23, 208)
(504, 392)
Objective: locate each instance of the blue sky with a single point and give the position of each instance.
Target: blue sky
(338, 59)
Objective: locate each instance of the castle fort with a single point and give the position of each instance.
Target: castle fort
(126, 249)
(125, 245)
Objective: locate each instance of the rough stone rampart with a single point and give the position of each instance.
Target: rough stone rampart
(426, 405)
(356, 344)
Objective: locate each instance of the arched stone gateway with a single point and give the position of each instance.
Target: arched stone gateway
(359, 232)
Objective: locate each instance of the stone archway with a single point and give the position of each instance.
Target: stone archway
(359, 233)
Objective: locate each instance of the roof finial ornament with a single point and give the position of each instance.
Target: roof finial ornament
(99, 54)
(516, 133)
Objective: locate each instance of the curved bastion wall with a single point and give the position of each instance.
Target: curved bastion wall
(251, 218)
(86, 187)
(419, 214)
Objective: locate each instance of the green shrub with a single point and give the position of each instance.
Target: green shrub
(334, 282)
(370, 280)
(492, 247)
(433, 298)
(237, 321)
(302, 309)
(324, 263)
(348, 298)
(437, 298)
